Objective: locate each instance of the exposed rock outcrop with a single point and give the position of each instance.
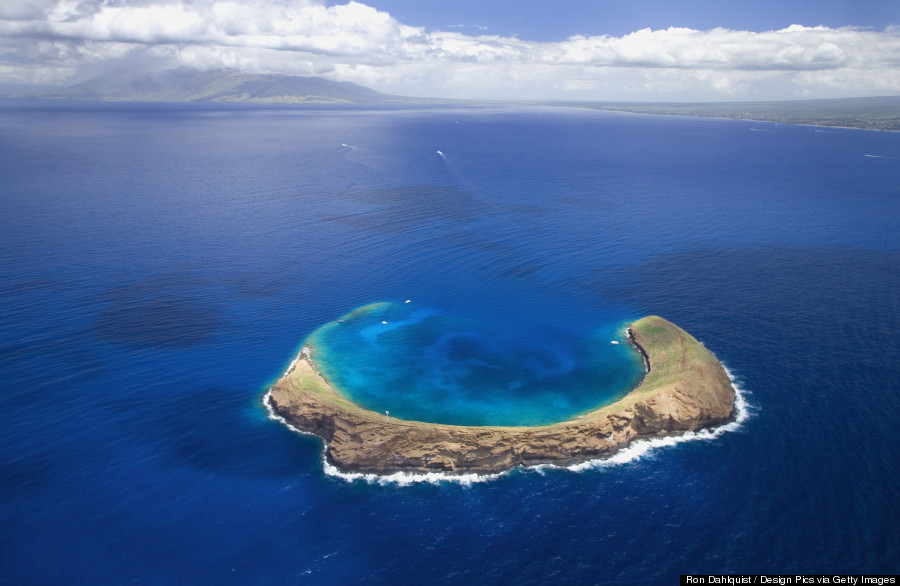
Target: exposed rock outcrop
(686, 388)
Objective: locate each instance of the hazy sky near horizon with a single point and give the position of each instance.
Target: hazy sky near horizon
(513, 49)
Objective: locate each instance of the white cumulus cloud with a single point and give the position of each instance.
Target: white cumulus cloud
(62, 41)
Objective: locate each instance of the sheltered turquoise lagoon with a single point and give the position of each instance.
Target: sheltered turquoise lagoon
(423, 364)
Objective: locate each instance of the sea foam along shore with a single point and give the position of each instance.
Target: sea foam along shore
(685, 390)
(638, 450)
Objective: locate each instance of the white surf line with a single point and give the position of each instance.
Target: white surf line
(267, 401)
(632, 453)
(397, 478)
(291, 367)
(410, 478)
(647, 447)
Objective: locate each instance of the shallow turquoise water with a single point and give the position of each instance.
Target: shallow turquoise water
(424, 364)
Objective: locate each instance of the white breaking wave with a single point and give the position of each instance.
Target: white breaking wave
(646, 447)
(410, 478)
(879, 157)
(291, 366)
(267, 401)
(398, 478)
(633, 453)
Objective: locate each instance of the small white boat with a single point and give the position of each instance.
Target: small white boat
(614, 342)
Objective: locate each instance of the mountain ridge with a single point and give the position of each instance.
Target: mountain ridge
(232, 86)
(222, 86)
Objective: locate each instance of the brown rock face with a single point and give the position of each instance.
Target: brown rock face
(686, 388)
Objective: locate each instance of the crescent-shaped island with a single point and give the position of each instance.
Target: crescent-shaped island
(685, 388)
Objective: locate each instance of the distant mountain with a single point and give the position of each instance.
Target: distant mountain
(224, 85)
(229, 85)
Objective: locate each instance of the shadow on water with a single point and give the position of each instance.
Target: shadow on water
(472, 240)
(404, 208)
(24, 477)
(167, 321)
(165, 311)
(61, 349)
(262, 284)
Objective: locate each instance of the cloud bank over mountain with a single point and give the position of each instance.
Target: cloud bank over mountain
(65, 41)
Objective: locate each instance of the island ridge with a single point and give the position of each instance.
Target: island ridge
(685, 388)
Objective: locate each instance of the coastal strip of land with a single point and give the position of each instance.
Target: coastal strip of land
(685, 389)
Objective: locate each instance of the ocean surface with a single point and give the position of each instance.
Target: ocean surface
(161, 266)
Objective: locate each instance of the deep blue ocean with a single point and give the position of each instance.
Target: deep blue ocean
(161, 266)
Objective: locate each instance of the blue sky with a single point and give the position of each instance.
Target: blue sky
(539, 20)
(636, 50)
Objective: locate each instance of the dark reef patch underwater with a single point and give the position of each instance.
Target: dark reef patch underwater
(159, 267)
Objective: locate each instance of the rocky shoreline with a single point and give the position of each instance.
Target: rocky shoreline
(685, 389)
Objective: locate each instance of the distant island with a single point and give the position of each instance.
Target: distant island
(230, 86)
(685, 388)
(879, 113)
(218, 86)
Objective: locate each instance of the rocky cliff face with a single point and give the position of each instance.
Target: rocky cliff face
(690, 391)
